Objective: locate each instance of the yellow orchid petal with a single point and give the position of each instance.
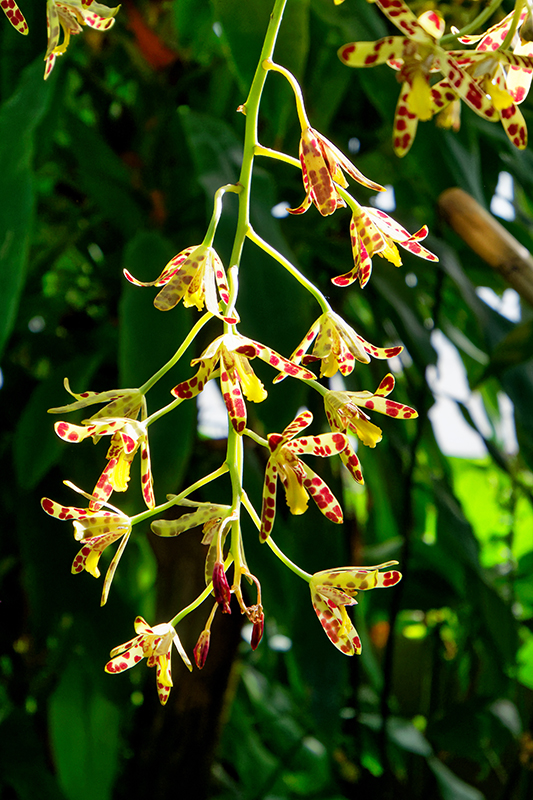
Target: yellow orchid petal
(295, 494)
(391, 253)
(251, 385)
(500, 97)
(120, 475)
(91, 563)
(419, 99)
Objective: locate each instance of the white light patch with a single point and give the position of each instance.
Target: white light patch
(212, 414)
(508, 305)
(246, 632)
(449, 383)
(385, 201)
(217, 29)
(37, 324)
(395, 365)
(336, 383)
(501, 204)
(506, 429)
(95, 252)
(280, 210)
(354, 145)
(314, 746)
(280, 643)
(1, 378)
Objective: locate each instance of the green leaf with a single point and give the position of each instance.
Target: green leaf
(85, 743)
(19, 117)
(406, 736)
(451, 787)
(105, 178)
(514, 349)
(23, 760)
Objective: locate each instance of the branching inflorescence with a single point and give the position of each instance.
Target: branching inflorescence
(492, 80)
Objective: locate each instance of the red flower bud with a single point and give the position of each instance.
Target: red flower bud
(221, 588)
(202, 649)
(257, 632)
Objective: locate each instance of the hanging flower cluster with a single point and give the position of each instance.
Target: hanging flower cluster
(492, 79)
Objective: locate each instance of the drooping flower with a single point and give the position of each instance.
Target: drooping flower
(96, 530)
(344, 413)
(71, 15)
(337, 346)
(192, 276)
(334, 589)
(127, 436)
(506, 78)
(154, 644)
(233, 351)
(119, 403)
(299, 480)
(14, 15)
(416, 55)
(322, 168)
(374, 232)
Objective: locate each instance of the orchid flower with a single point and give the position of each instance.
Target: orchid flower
(127, 436)
(154, 644)
(298, 479)
(96, 530)
(343, 410)
(334, 589)
(191, 276)
(337, 346)
(415, 55)
(119, 403)
(322, 168)
(374, 232)
(233, 351)
(71, 15)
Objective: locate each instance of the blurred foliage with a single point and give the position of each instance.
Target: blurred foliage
(111, 163)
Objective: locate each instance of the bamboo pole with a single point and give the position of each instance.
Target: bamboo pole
(489, 239)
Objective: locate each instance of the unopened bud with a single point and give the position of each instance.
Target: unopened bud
(221, 588)
(202, 649)
(257, 632)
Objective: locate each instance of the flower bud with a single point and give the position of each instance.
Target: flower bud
(257, 632)
(221, 588)
(202, 648)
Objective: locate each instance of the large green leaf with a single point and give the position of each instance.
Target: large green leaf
(19, 118)
(84, 729)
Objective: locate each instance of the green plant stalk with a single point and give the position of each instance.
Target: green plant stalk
(200, 599)
(305, 282)
(306, 576)
(268, 64)
(234, 452)
(175, 358)
(151, 512)
(217, 211)
(519, 5)
(251, 110)
(475, 24)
